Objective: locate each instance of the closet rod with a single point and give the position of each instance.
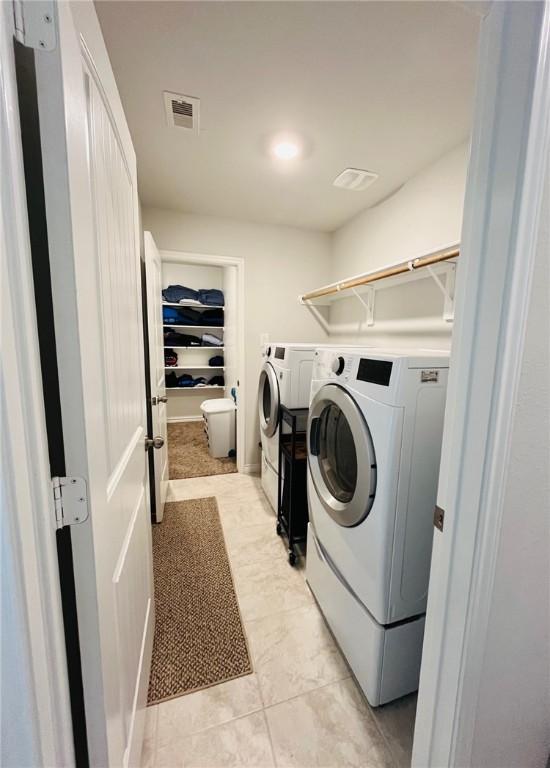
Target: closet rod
(371, 277)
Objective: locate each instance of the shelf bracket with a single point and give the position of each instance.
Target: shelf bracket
(368, 304)
(447, 289)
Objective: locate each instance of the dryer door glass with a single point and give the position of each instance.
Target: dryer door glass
(268, 400)
(337, 455)
(341, 456)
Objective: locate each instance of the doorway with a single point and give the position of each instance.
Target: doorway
(203, 355)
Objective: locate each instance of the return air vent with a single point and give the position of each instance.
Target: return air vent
(355, 179)
(182, 111)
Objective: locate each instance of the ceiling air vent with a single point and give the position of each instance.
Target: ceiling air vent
(355, 179)
(182, 111)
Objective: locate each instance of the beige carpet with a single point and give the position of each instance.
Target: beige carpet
(188, 453)
(199, 636)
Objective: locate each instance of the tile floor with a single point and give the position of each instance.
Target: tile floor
(300, 707)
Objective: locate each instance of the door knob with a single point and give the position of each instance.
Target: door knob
(153, 442)
(163, 399)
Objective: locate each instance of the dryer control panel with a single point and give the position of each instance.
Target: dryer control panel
(332, 364)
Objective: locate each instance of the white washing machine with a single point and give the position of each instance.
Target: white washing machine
(285, 379)
(374, 443)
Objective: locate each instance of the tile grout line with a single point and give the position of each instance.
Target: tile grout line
(306, 693)
(220, 725)
(223, 722)
(270, 737)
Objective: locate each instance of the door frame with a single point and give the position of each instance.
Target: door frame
(29, 533)
(211, 260)
(511, 138)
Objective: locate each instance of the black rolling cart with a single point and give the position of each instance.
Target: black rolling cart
(292, 510)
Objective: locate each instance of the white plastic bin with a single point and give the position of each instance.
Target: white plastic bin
(219, 425)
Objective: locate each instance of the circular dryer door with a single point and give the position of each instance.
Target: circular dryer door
(341, 456)
(268, 400)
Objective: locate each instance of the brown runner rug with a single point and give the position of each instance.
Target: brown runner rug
(199, 636)
(188, 453)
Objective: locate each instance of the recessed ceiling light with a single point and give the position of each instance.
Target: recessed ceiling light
(285, 150)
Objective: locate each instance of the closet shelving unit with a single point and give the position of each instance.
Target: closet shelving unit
(200, 348)
(436, 265)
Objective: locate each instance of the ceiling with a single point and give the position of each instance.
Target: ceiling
(383, 86)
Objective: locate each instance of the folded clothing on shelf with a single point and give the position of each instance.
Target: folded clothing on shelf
(181, 294)
(182, 316)
(212, 317)
(175, 339)
(212, 296)
(190, 316)
(187, 381)
(176, 293)
(170, 357)
(170, 316)
(210, 340)
(216, 361)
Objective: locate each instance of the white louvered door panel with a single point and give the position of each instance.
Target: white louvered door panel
(92, 216)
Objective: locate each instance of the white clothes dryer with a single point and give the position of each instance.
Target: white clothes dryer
(285, 379)
(374, 444)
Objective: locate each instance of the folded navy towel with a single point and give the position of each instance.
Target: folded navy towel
(211, 296)
(175, 293)
(216, 361)
(218, 381)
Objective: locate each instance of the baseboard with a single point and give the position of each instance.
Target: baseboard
(175, 419)
(251, 469)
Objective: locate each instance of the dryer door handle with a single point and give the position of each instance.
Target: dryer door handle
(314, 434)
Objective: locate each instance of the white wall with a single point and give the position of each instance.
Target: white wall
(513, 713)
(423, 216)
(280, 264)
(185, 403)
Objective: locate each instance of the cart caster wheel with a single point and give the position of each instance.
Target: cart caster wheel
(292, 558)
(279, 530)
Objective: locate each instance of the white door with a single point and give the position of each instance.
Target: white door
(92, 219)
(153, 276)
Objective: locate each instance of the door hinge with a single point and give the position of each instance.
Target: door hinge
(34, 22)
(70, 500)
(439, 517)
